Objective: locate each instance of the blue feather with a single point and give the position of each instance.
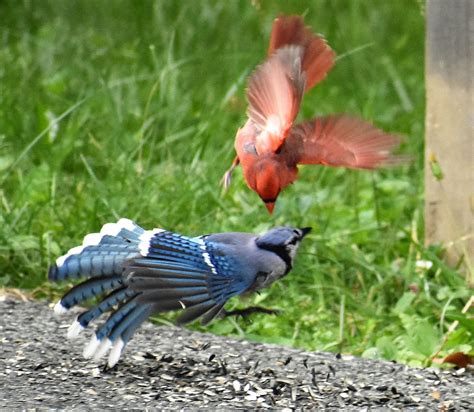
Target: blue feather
(93, 261)
(128, 321)
(128, 332)
(180, 265)
(88, 289)
(114, 298)
(115, 318)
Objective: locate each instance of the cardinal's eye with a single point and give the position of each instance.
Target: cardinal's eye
(250, 148)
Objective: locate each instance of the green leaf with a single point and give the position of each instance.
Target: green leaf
(404, 303)
(387, 348)
(422, 337)
(371, 353)
(463, 320)
(24, 242)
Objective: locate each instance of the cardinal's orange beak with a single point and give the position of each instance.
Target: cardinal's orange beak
(270, 206)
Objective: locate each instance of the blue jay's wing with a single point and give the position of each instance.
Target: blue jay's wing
(177, 272)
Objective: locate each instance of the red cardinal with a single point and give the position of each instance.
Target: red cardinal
(269, 146)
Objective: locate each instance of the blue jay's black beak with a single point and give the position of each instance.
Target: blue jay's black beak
(305, 231)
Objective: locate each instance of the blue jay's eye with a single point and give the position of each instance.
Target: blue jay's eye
(293, 241)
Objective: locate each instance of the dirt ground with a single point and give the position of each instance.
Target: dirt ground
(175, 368)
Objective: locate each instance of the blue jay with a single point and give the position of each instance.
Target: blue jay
(138, 272)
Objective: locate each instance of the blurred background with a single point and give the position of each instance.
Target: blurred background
(130, 109)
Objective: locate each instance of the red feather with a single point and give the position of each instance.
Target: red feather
(274, 94)
(341, 141)
(318, 57)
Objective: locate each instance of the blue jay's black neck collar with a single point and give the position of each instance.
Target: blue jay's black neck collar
(283, 253)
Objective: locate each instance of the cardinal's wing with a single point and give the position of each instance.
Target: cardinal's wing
(318, 58)
(341, 141)
(297, 60)
(274, 94)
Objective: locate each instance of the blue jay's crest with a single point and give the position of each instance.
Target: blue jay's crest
(137, 273)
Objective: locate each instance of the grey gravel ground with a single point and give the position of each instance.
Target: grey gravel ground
(175, 368)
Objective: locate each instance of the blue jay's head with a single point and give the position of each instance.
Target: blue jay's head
(284, 241)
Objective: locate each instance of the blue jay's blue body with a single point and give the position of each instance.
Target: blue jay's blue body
(139, 272)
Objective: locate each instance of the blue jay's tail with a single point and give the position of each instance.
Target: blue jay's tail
(135, 273)
(101, 259)
(101, 254)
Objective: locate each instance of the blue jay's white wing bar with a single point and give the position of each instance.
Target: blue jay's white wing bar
(206, 256)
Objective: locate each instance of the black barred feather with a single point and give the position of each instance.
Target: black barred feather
(115, 318)
(150, 284)
(136, 314)
(90, 288)
(116, 297)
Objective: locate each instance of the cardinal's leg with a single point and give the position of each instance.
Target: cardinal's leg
(228, 175)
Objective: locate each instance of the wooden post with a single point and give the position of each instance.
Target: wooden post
(449, 149)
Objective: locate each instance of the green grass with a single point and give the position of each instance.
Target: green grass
(129, 109)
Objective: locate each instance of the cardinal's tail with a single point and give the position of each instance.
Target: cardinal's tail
(318, 57)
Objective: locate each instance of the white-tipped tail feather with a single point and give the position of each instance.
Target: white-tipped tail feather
(59, 309)
(127, 224)
(96, 348)
(103, 348)
(91, 347)
(110, 229)
(115, 353)
(74, 251)
(92, 239)
(74, 330)
(113, 229)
